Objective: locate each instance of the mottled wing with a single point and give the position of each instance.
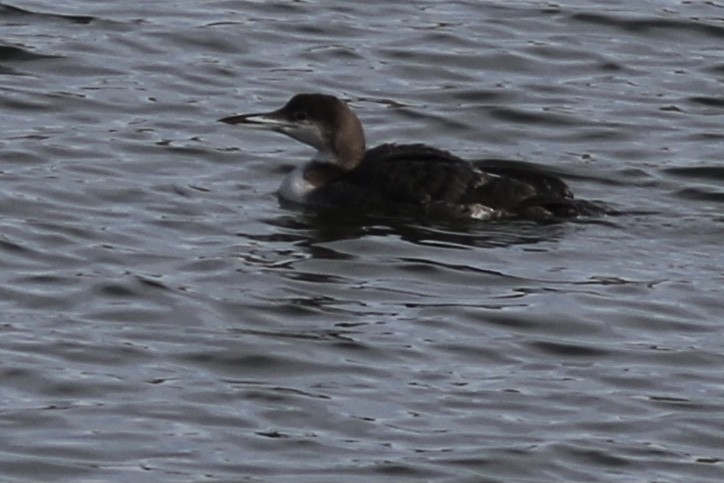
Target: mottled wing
(543, 181)
(417, 174)
(420, 179)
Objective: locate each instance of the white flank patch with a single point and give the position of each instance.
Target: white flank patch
(295, 186)
(480, 212)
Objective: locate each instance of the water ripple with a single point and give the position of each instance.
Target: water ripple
(165, 319)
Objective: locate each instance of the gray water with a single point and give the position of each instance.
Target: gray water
(164, 319)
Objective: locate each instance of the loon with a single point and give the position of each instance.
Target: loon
(412, 179)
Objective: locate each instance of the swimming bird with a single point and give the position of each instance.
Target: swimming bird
(401, 179)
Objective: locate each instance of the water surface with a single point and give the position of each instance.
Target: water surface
(164, 319)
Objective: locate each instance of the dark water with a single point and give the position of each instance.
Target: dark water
(164, 319)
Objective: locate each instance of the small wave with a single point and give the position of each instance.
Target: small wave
(697, 172)
(648, 25)
(708, 101)
(11, 53)
(701, 194)
(528, 117)
(12, 11)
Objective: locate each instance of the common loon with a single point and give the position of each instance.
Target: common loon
(412, 179)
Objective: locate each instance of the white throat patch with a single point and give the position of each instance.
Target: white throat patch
(325, 156)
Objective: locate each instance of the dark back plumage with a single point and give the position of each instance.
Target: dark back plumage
(417, 178)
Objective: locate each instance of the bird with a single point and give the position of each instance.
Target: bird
(402, 179)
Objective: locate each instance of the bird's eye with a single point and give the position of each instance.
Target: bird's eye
(300, 116)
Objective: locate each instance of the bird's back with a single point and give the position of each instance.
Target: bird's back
(416, 178)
